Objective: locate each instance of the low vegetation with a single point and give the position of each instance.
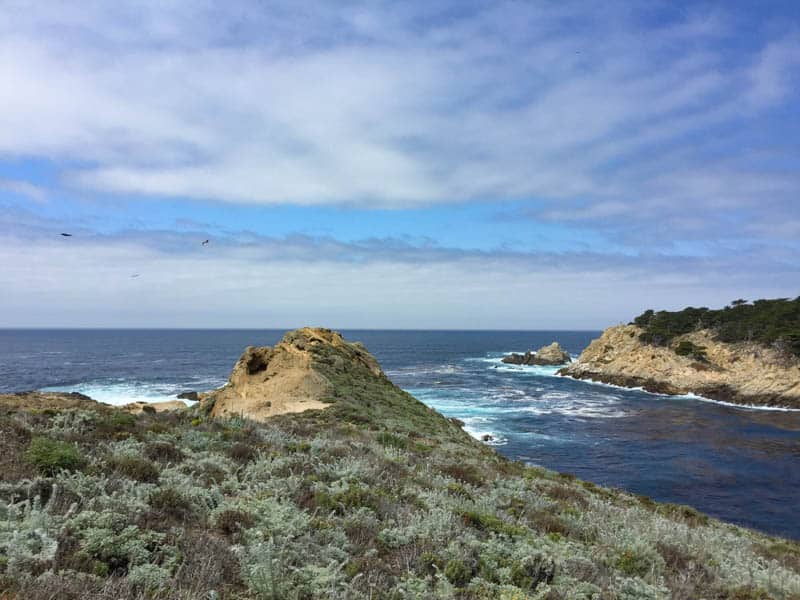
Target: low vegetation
(376, 496)
(767, 322)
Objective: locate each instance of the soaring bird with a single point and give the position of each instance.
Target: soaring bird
(205, 242)
(67, 234)
(135, 275)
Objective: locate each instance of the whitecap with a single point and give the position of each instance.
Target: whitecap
(120, 391)
(689, 396)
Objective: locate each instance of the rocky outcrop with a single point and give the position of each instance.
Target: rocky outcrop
(153, 407)
(743, 373)
(553, 354)
(191, 396)
(35, 400)
(286, 378)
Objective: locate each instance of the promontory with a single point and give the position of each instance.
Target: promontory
(746, 353)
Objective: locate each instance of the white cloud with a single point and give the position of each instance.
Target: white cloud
(377, 105)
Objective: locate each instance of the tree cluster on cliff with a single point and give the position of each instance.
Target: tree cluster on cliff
(768, 322)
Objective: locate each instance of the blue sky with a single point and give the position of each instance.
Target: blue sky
(439, 164)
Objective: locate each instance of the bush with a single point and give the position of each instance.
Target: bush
(232, 521)
(122, 420)
(134, 467)
(50, 456)
(163, 452)
(170, 502)
(242, 453)
(687, 348)
(531, 571)
(457, 572)
(392, 441)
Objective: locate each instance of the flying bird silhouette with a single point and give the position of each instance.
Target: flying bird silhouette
(205, 243)
(134, 275)
(67, 234)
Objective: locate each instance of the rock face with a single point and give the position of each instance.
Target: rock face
(140, 407)
(553, 354)
(743, 373)
(268, 381)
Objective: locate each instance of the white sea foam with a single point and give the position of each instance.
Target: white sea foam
(121, 392)
(689, 396)
(477, 428)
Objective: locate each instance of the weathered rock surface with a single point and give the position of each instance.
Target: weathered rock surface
(191, 396)
(268, 381)
(140, 407)
(34, 400)
(553, 354)
(48, 400)
(744, 373)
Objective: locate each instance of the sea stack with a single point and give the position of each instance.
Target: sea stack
(551, 355)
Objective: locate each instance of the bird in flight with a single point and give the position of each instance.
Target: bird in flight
(205, 243)
(134, 275)
(67, 234)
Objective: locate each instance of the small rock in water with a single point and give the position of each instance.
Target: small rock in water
(487, 437)
(189, 396)
(553, 354)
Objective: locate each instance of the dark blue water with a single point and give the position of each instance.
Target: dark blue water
(738, 464)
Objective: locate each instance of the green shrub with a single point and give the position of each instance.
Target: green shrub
(355, 496)
(122, 420)
(170, 502)
(687, 348)
(385, 438)
(50, 456)
(457, 572)
(531, 571)
(487, 522)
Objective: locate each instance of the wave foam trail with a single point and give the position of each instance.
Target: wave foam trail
(119, 392)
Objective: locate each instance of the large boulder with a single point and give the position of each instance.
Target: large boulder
(553, 354)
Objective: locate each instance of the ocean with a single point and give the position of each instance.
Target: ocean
(741, 465)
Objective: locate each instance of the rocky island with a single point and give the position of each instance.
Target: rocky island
(311, 475)
(551, 355)
(745, 354)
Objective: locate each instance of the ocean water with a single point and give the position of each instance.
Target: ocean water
(738, 464)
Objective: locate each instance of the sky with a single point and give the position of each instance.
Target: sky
(431, 165)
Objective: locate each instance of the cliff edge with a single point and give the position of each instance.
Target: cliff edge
(742, 373)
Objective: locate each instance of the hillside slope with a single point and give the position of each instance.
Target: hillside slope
(696, 362)
(373, 496)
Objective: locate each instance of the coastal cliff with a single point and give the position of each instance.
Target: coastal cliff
(743, 372)
(364, 492)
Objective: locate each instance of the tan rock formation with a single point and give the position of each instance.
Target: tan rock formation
(282, 379)
(34, 400)
(743, 373)
(166, 405)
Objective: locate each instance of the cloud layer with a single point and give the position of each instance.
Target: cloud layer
(666, 132)
(390, 106)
